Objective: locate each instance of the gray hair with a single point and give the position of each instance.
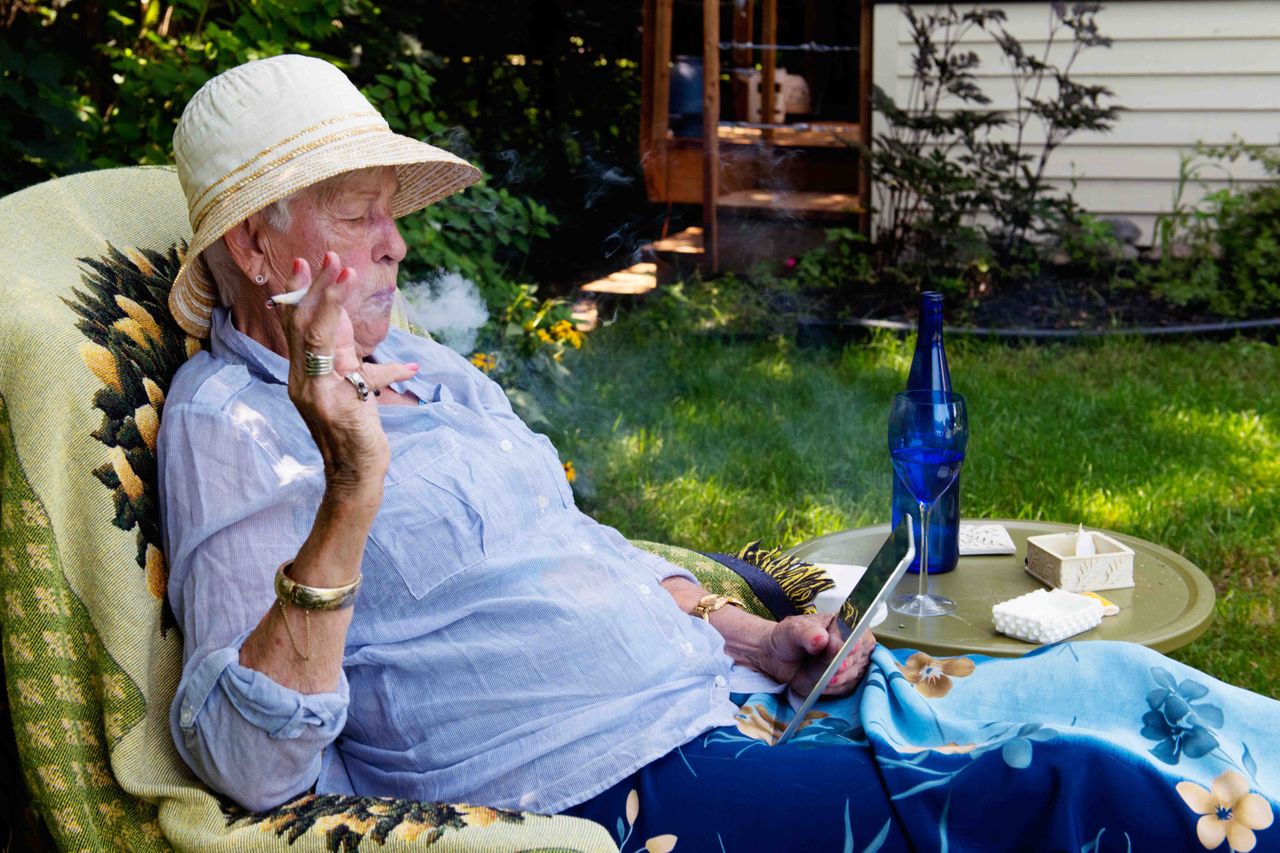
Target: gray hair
(279, 217)
(226, 274)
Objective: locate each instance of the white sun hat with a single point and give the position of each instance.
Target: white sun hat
(264, 130)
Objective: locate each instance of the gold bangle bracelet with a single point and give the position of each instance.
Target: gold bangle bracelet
(709, 604)
(314, 597)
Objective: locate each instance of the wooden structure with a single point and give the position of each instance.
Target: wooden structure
(754, 165)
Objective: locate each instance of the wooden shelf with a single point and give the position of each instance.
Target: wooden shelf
(836, 135)
(818, 205)
(633, 281)
(687, 242)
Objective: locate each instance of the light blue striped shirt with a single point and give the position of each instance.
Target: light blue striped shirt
(505, 649)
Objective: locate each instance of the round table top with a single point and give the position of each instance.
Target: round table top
(1170, 605)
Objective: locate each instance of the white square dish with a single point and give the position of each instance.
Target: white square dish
(1046, 616)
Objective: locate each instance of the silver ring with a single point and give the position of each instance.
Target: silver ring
(318, 365)
(362, 387)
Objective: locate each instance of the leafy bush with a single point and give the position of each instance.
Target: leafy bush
(947, 154)
(1222, 253)
(59, 116)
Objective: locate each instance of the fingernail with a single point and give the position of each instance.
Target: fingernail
(833, 681)
(413, 365)
(297, 266)
(324, 264)
(271, 303)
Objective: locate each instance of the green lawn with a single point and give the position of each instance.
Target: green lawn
(708, 444)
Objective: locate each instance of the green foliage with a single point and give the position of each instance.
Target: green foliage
(1090, 244)
(59, 116)
(484, 234)
(1222, 253)
(947, 153)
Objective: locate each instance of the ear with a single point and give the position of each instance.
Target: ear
(244, 243)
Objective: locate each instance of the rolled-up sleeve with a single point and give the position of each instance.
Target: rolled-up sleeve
(236, 502)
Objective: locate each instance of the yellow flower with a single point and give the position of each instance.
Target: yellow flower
(103, 364)
(477, 815)
(484, 361)
(1228, 812)
(157, 572)
(154, 394)
(755, 722)
(141, 316)
(130, 327)
(544, 336)
(129, 481)
(932, 678)
(570, 473)
(148, 423)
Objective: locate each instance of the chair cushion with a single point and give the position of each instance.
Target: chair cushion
(91, 662)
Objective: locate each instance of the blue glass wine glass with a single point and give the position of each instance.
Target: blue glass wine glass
(928, 433)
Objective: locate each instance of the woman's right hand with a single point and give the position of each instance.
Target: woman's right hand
(347, 431)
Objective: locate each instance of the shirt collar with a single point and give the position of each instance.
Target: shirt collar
(228, 343)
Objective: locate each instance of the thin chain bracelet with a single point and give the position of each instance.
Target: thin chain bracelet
(293, 641)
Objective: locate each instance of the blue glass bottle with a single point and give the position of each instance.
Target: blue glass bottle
(929, 373)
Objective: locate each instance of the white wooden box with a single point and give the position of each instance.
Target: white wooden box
(1051, 558)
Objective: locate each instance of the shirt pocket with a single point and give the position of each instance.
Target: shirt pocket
(439, 514)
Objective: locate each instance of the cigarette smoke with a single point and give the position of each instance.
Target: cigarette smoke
(449, 307)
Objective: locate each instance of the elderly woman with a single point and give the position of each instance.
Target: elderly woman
(504, 649)
(507, 650)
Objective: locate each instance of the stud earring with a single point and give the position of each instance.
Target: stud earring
(259, 279)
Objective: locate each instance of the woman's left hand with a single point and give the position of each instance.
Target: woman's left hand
(798, 650)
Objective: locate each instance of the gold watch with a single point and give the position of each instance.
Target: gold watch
(709, 604)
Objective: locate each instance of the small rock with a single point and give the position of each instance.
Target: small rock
(1125, 230)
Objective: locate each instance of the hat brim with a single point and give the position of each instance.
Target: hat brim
(426, 174)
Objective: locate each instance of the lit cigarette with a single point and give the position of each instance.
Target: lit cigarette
(292, 297)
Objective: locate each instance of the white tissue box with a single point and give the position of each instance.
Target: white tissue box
(1052, 559)
(1046, 615)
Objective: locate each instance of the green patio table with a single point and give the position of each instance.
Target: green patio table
(1170, 605)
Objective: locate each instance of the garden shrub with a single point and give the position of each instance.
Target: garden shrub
(103, 85)
(1222, 253)
(947, 154)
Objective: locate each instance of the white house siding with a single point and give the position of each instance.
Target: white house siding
(1185, 72)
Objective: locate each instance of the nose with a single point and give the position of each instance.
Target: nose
(391, 247)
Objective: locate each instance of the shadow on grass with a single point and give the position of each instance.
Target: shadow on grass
(710, 445)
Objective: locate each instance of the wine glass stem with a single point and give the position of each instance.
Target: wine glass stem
(924, 548)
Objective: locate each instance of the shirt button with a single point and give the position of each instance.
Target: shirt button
(542, 501)
(187, 716)
(644, 589)
(687, 647)
(720, 681)
(506, 445)
(586, 546)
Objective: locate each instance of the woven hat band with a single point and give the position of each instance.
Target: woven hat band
(268, 179)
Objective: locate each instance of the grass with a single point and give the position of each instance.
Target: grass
(708, 444)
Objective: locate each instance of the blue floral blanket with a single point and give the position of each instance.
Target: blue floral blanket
(1084, 747)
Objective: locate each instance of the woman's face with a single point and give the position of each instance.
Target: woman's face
(350, 216)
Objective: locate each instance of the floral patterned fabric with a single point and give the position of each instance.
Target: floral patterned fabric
(1089, 747)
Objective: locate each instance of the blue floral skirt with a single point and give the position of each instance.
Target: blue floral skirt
(1082, 747)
